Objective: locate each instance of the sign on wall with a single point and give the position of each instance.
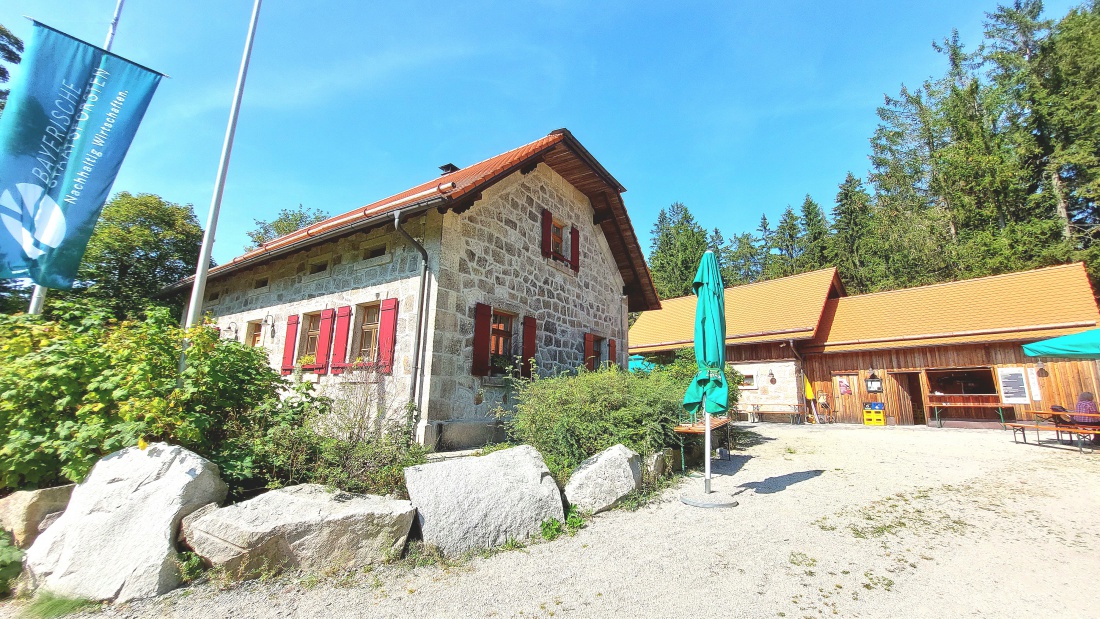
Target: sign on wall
(1013, 383)
(1033, 382)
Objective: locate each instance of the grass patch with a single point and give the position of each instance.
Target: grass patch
(46, 605)
(649, 493)
(802, 559)
(490, 448)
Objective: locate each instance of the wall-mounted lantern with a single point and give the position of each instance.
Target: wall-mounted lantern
(232, 330)
(771, 377)
(873, 382)
(269, 322)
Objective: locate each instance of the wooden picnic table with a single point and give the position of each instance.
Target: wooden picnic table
(999, 406)
(698, 429)
(1072, 431)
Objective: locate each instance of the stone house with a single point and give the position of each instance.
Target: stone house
(525, 259)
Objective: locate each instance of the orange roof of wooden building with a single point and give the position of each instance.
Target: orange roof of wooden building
(1029, 305)
(772, 311)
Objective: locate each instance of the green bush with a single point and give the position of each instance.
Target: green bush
(11, 562)
(573, 416)
(569, 418)
(78, 387)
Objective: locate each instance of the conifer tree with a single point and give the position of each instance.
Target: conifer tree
(678, 244)
(849, 246)
(815, 236)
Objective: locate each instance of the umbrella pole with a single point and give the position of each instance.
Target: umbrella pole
(706, 447)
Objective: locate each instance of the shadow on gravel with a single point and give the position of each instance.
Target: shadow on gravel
(772, 485)
(729, 467)
(742, 438)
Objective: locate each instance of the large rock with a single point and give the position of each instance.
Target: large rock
(604, 479)
(22, 512)
(480, 502)
(116, 539)
(304, 527)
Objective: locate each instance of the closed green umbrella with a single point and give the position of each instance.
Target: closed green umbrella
(708, 390)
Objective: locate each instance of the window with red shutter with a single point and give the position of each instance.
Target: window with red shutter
(340, 339)
(575, 249)
(547, 223)
(324, 341)
(483, 327)
(387, 335)
(530, 344)
(290, 343)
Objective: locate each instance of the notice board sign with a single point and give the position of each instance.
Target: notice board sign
(1013, 383)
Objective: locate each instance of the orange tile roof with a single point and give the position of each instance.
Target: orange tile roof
(1029, 305)
(452, 186)
(773, 311)
(560, 150)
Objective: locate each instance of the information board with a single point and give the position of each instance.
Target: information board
(1013, 385)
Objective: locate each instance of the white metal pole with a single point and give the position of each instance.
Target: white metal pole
(198, 289)
(706, 449)
(38, 295)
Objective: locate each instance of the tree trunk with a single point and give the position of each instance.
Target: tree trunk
(1060, 203)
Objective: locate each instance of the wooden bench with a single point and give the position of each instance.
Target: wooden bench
(1080, 432)
(698, 429)
(794, 413)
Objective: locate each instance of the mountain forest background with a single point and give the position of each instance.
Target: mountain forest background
(990, 168)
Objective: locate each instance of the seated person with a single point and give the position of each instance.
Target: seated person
(1086, 403)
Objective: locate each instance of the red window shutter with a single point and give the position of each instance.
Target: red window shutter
(483, 325)
(575, 249)
(529, 345)
(590, 351)
(547, 239)
(290, 344)
(611, 352)
(324, 338)
(340, 339)
(387, 335)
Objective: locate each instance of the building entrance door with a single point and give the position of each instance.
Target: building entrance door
(846, 390)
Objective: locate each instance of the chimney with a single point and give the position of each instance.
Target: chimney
(448, 168)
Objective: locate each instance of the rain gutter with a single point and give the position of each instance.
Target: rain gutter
(418, 337)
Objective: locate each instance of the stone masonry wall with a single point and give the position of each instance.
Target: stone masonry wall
(783, 392)
(349, 280)
(492, 254)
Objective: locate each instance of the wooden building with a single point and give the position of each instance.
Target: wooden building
(951, 350)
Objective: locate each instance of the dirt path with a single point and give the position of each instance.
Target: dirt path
(840, 521)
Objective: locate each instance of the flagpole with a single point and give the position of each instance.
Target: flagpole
(198, 289)
(38, 295)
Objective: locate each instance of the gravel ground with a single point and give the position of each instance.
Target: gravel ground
(845, 521)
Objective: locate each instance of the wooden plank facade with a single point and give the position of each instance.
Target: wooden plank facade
(907, 390)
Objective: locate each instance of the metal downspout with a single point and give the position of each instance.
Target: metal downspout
(418, 338)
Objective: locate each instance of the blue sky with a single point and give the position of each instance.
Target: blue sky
(734, 108)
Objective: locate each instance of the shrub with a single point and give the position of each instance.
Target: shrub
(573, 416)
(569, 418)
(81, 386)
(11, 562)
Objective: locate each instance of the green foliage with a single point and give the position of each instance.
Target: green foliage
(991, 167)
(141, 244)
(574, 520)
(11, 562)
(289, 220)
(46, 605)
(571, 417)
(677, 247)
(552, 528)
(75, 389)
(190, 566)
(11, 49)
